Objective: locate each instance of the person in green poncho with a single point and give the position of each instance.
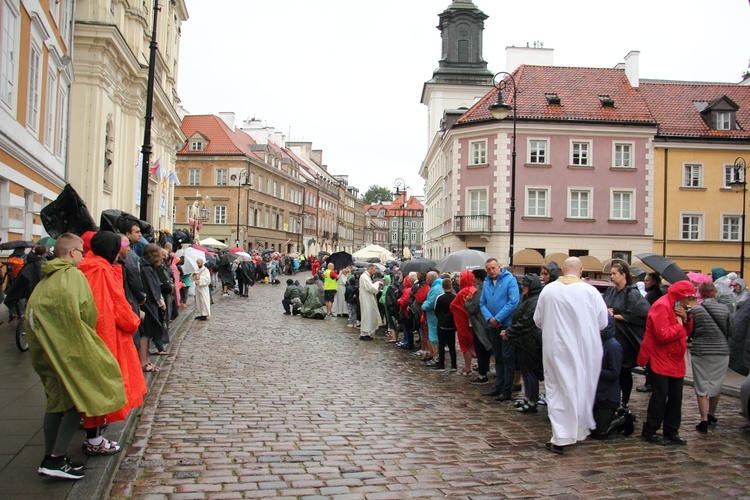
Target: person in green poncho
(78, 372)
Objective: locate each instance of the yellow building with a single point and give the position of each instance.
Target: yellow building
(697, 215)
(35, 78)
(108, 102)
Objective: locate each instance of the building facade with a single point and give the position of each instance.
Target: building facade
(35, 79)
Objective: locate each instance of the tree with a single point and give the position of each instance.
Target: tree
(377, 194)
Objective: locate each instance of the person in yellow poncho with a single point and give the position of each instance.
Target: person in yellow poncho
(79, 373)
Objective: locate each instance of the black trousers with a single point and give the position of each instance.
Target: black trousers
(483, 357)
(603, 413)
(665, 405)
(446, 337)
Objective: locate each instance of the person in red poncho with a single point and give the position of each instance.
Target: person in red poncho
(115, 325)
(461, 316)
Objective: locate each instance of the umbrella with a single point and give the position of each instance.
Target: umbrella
(242, 256)
(373, 251)
(266, 252)
(47, 241)
(665, 267)
(323, 253)
(236, 249)
(463, 259)
(67, 214)
(375, 260)
(637, 272)
(361, 263)
(11, 245)
(118, 221)
(340, 260)
(699, 278)
(419, 266)
(191, 256)
(212, 242)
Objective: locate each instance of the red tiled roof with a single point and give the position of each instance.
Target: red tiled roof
(578, 89)
(222, 140)
(673, 106)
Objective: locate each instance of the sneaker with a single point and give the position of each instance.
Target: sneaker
(478, 380)
(62, 469)
(527, 408)
(418, 353)
(643, 388)
(542, 401)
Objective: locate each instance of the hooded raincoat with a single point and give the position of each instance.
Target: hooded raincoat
(461, 315)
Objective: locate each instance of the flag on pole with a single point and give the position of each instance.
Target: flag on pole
(155, 167)
(174, 179)
(287, 241)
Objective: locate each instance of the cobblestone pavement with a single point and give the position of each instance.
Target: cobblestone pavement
(253, 403)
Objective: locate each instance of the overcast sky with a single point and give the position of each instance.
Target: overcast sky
(347, 75)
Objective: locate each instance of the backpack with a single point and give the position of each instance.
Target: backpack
(414, 306)
(16, 264)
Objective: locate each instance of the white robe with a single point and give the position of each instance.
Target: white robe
(368, 305)
(202, 292)
(339, 302)
(571, 317)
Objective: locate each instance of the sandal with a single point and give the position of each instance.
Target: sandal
(106, 447)
(148, 367)
(162, 353)
(554, 448)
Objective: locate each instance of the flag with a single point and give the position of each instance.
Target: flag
(174, 179)
(287, 241)
(155, 167)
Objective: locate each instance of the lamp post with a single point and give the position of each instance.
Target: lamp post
(500, 111)
(240, 183)
(146, 148)
(739, 183)
(401, 187)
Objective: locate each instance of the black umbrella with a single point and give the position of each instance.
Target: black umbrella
(118, 221)
(323, 253)
(461, 260)
(419, 266)
(340, 260)
(665, 267)
(10, 245)
(67, 214)
(365, 265)
(266, 252)
(374, 260)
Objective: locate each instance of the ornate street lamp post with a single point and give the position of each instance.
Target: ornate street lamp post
(240, 182)
(401, 187)
(739, 183)
(500, 111)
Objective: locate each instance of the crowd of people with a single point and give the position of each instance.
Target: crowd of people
(553, 328)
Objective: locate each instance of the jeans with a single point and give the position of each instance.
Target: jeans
(505, 360)
(446, 338)
(287, 305)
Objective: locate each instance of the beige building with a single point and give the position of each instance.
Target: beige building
(35, 77)
(108, 102)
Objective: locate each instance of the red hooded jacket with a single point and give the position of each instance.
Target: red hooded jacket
(665, 340)
(461, 315)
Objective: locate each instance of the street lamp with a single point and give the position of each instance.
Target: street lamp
(401, 186)
(239, 178)
(500, 111)
(146, 148)
(739, 183)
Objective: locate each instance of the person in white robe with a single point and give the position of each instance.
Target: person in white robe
(368, 304)
(571, 313)
(339, 302)
(202, 280)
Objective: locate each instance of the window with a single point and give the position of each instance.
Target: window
(62, 123)
(730, 227)
(579, 203)
(221, 176)
(579, 154)
(692, 176)
(268, 185)
(537, 151)
(623, 156)
(49, 108)
(413, 236)
(275, 188)
(477, 202)
(282, 191)
(8, 53)
(34, 95)
(691, 227)
(394, 224)
(731, 175)
(194, 177)
(478, 153)
(394, 237)
(414, 224)
(622, 205)
(196, 146)
(577, 253)
(723, 120)
(220, 214)
(536, 202)
(625, 255)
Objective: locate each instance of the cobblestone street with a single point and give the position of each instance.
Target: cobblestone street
(253, 403)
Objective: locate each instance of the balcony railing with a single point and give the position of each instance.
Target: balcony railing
(472, 223)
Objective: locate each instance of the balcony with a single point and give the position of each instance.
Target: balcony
(478, 225)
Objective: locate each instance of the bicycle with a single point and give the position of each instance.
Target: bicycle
(21, 341)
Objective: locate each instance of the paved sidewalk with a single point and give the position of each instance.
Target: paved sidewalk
(22, 405)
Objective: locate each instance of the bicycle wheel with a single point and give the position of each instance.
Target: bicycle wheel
(21, 341)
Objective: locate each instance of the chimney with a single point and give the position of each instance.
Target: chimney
(228, 118)
(252, 123)
(316, 155)
(279, 139)
(631, 68)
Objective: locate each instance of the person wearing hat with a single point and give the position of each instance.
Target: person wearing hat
(668, 325)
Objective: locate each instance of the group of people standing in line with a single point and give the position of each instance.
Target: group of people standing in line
(554, 328)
